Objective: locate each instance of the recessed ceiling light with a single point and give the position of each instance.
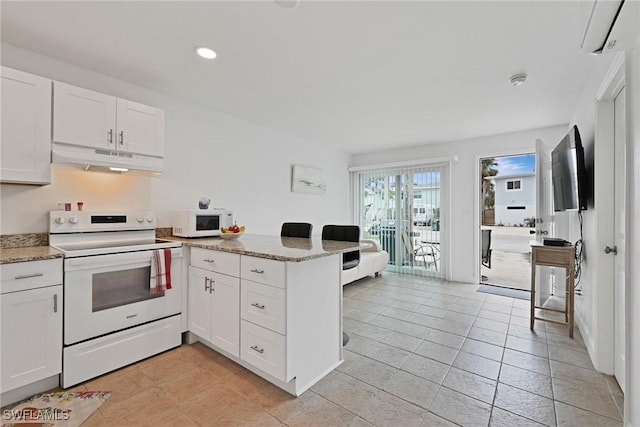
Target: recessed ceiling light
(205, 52)
(518, 79)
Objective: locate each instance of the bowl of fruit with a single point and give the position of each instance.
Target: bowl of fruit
(232, 232)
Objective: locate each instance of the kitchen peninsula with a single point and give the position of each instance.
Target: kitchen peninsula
(271, 304)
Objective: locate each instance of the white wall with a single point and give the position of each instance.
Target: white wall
(594, 309)
(465, 184)
(595, 323)
(240, 165)
(632, 396)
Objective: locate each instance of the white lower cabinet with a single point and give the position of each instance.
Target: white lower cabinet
(264, 349)
(263, 305)
(284, 317)
(214, 308)
(31, 323)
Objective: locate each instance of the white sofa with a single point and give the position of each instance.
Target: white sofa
(372, 261)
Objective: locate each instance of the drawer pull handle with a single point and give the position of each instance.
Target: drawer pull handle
(257, 270)
(256, 305)
(131, 316)
(209, 260)
(257, 349)
(28, 276)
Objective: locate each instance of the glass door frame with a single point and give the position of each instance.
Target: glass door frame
(443, 167)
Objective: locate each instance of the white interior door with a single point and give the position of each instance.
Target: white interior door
(619, 224)
(544, 215)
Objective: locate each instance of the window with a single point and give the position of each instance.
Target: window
(513, 185)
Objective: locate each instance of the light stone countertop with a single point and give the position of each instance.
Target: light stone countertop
(293, 249)
(28, 253)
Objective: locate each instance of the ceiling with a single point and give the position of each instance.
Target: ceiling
(359, 76)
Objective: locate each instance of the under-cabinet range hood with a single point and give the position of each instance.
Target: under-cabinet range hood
(100, 159)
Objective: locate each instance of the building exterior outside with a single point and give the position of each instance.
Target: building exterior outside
(515, 198)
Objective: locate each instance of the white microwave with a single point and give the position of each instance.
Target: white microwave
(201, 222)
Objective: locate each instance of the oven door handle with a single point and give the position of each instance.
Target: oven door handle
(115, 260)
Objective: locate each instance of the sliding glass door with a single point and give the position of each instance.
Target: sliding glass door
(404, 209)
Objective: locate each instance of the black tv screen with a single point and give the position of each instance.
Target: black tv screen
(569, 173)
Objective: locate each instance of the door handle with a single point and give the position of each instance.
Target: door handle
(121, 137)
(207, 287)
(110, 136)
(55, 303)
(613, 250)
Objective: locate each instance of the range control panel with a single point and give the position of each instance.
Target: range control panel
(76, 222)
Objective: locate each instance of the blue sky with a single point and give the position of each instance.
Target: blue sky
(511, 165)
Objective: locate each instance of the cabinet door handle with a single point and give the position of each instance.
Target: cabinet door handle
(121, 137)
(207, 287)
(209, 260)
(110, 136)
(55, 303)
(257, 270)
(257, 349)
(256, 305)
(28, 276)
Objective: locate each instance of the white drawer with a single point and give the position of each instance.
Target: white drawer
(21, 276)
(263, 305)
(263, 270)
(220, 262)
(264, 349)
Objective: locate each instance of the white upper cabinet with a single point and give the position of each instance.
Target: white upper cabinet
(87, 118)
(83, 117)
(26, 128)
(140, 128)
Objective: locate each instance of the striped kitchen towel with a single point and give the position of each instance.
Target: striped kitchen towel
(160, 270)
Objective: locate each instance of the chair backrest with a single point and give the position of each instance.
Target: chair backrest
(296, 229)
(344, 233)
(486, 243)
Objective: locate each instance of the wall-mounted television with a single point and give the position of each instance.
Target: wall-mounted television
(569, 174)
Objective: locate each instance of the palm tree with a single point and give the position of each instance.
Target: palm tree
(488, 191)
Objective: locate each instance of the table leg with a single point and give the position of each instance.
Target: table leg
(533, 293)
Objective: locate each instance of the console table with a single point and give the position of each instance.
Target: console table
(554, 256)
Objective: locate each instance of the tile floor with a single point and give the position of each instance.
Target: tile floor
(421, 353)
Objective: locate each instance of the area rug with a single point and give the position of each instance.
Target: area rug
(505, 292)
(68, 409)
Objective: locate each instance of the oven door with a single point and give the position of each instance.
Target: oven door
(107, 293)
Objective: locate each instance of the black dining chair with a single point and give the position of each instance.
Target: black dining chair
(296, 229)
(344, 233)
